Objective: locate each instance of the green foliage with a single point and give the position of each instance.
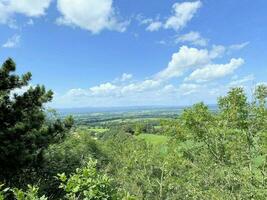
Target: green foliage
(211, 155)
(138, 168)
(3, 192)
(30, 194)
(87, 183)
(261, 94)
(197, 119)
(72, 153)
(24, 132)
(234, 108)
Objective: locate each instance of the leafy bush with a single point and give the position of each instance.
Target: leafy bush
(87, 183)
(74, 152)
(30, 194)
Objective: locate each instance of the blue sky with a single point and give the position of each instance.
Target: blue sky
(134, 53)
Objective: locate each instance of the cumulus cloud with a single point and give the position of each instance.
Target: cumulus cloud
(154, 26)
(119, 89)
(186, 58)
(91, 15)
(77, 92)
(12, 42)
(189, 88)
(105, 94)
(140, 87)
(215, 71)
(182, 13)
(201, 63)
(103, 89)
(217, 51)
(147, 92)
(193, 38)
(29, 8)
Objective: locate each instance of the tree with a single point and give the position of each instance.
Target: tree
(24, 131)
(234, 108)
(259, 114)
(197, 119)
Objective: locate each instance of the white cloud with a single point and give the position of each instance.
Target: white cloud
(103, 89)
(91, 15)
(147, 92)
(154, 26)
(110, 94)
(120, 89)
(201, 62)
(123, 78)
(192, 37)
(186, 58)
(139, 87)
(143, 20)
(240, 82)
(217, 51)
(77, 92)
(215, 71)
(182, 14)
(4, 13)
(240, 46)
(188, 88)
(29, 8)
(109, 89)
(162, 42)
(126, 77)
(12, 42)
(21, 91)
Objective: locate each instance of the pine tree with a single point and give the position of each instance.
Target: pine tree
(24, 130)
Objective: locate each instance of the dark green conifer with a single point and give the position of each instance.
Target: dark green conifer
(24, 130)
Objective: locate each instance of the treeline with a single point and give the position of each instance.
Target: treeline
(209, 155)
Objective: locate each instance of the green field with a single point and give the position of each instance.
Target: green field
(154, 139)
(97, 130)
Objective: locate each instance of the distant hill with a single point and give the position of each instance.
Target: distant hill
(66, 111)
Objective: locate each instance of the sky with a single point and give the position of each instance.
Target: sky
(105, 53)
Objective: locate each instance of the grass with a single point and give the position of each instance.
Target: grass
(157, 140)
(98, 130)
